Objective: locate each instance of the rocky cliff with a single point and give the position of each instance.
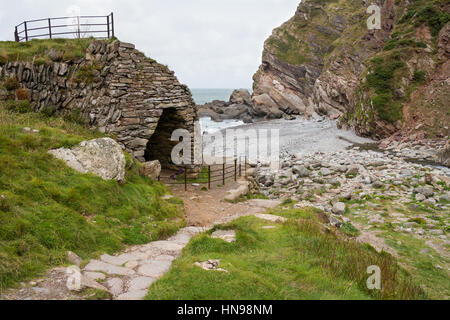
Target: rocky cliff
(112, 86)
(325, 61)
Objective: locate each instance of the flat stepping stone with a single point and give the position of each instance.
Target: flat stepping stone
(155, 268)
(115, 286)
(133, 295)
(89, 283)
(140, 283)
(225, 235)
(192, 230)
(95, 275)
(181, 238)
(118, 260)
(270, 217)
(100, 266)
(167, 246)
(263, 203)
(164, 257)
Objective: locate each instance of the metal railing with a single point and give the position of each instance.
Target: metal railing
(220, 173)
(78, 27)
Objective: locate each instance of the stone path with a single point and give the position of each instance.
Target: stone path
(129, 275)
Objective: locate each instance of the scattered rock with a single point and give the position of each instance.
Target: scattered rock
(151, 169)
(263, 203)
(74, 259)
(339, 208)
(420, 197)
(210, 265)
(301, 171)
(226, 235)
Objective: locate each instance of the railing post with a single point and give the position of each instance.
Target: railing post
(209, 177)
(26, 31)
(107, 23)
(112, 24)
(50, 28)
(78, 27)
(240, 166)
(235, 169)
(245, 166)
(16, 35)
(223, 173)
(185, 178)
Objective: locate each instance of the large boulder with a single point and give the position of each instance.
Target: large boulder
(241, 96)
(102, 157)
(151, 169)
(443, 156)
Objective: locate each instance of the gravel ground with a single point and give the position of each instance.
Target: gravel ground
(303, 137)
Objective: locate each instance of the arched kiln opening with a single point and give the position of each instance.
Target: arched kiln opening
(159, 147)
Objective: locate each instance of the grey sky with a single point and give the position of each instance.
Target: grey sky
(208, 43)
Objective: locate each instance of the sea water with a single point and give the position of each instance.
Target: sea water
(202, 96)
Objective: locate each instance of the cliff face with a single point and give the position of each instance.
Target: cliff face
(325, 61)
(114, 87)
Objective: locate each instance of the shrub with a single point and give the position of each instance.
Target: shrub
(5, 206)
(76, 116)
(386, 108)
(22, 106)
(11, 84)
(86, 73)
(48, 111)
(40, 61)
(350, 230)
(419, 76)
(395, 43)
(434, 19)
(381, 77)
(22, 94)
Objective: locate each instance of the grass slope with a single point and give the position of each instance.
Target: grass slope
(46, 208)
(37, 50)
(299, 259)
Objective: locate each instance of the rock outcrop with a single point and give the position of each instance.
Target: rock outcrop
(102, 157)
(325, 61)
(443, 156)
(242, 106)
(239, 107)
(114, 88)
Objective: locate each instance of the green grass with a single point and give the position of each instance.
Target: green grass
(46, 208)
(408, 248)
(37, 50)
(300, 259)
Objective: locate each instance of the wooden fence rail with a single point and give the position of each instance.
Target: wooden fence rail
(78, 27)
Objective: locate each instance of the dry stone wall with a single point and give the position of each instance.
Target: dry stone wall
(115, 87)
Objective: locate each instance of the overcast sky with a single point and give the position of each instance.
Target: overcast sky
(208, 43)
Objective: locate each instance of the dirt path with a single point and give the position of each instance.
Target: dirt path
(129, 275)
(207, 208)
